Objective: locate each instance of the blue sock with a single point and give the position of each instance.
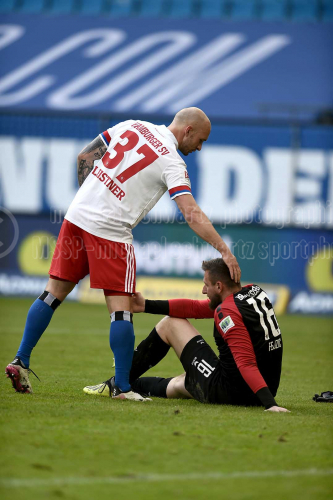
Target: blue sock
(122, 345)
(39, 316)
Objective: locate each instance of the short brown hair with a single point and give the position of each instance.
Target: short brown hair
(218, 271)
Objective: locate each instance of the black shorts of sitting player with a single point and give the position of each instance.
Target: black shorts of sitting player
(247, 370)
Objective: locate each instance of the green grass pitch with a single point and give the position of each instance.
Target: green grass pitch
(61, 443)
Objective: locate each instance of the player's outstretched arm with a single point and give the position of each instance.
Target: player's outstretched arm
(201, 225)
(176, 308)
(85, 161)
(278, 409)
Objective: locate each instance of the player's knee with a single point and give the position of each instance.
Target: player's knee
(59, 288)
(162, 324)
(162, 328)
(167, 326)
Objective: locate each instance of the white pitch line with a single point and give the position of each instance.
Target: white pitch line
(83, 331)
(154, 478)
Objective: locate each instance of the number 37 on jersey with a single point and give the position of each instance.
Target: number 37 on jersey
(149, 156)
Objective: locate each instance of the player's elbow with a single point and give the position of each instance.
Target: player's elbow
(80, 158)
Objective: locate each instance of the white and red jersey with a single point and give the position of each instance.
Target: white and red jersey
(140, 164)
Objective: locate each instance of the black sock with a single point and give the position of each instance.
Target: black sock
(152, 386)
(148, 353)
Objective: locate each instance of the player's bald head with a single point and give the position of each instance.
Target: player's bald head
(191, 127)
(192, 116)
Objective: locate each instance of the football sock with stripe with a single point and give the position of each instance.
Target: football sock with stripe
(152, 386)
(148, 353)
(38, 319)
(122, 345)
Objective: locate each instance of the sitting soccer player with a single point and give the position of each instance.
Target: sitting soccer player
(246, 332)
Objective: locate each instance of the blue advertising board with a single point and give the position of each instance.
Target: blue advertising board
(238, 70)
(293, 265)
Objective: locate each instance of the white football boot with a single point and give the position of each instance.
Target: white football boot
(108, 388)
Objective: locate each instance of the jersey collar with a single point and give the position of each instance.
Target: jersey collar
(166, 132)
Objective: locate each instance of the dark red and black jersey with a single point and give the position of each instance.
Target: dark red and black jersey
(247, 336)
(249, 339)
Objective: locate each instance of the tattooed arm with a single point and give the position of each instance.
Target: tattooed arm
(85, 161)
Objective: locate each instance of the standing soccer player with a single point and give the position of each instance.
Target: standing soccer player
(122, 174)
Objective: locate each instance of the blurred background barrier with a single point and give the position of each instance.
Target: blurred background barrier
(270, 174)
(293, 264)
(265, 176)
(239, 70)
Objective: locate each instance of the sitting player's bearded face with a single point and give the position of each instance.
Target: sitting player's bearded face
(215, 300)
(209, 289)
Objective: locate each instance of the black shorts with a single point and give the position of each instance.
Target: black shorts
(206, 379)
